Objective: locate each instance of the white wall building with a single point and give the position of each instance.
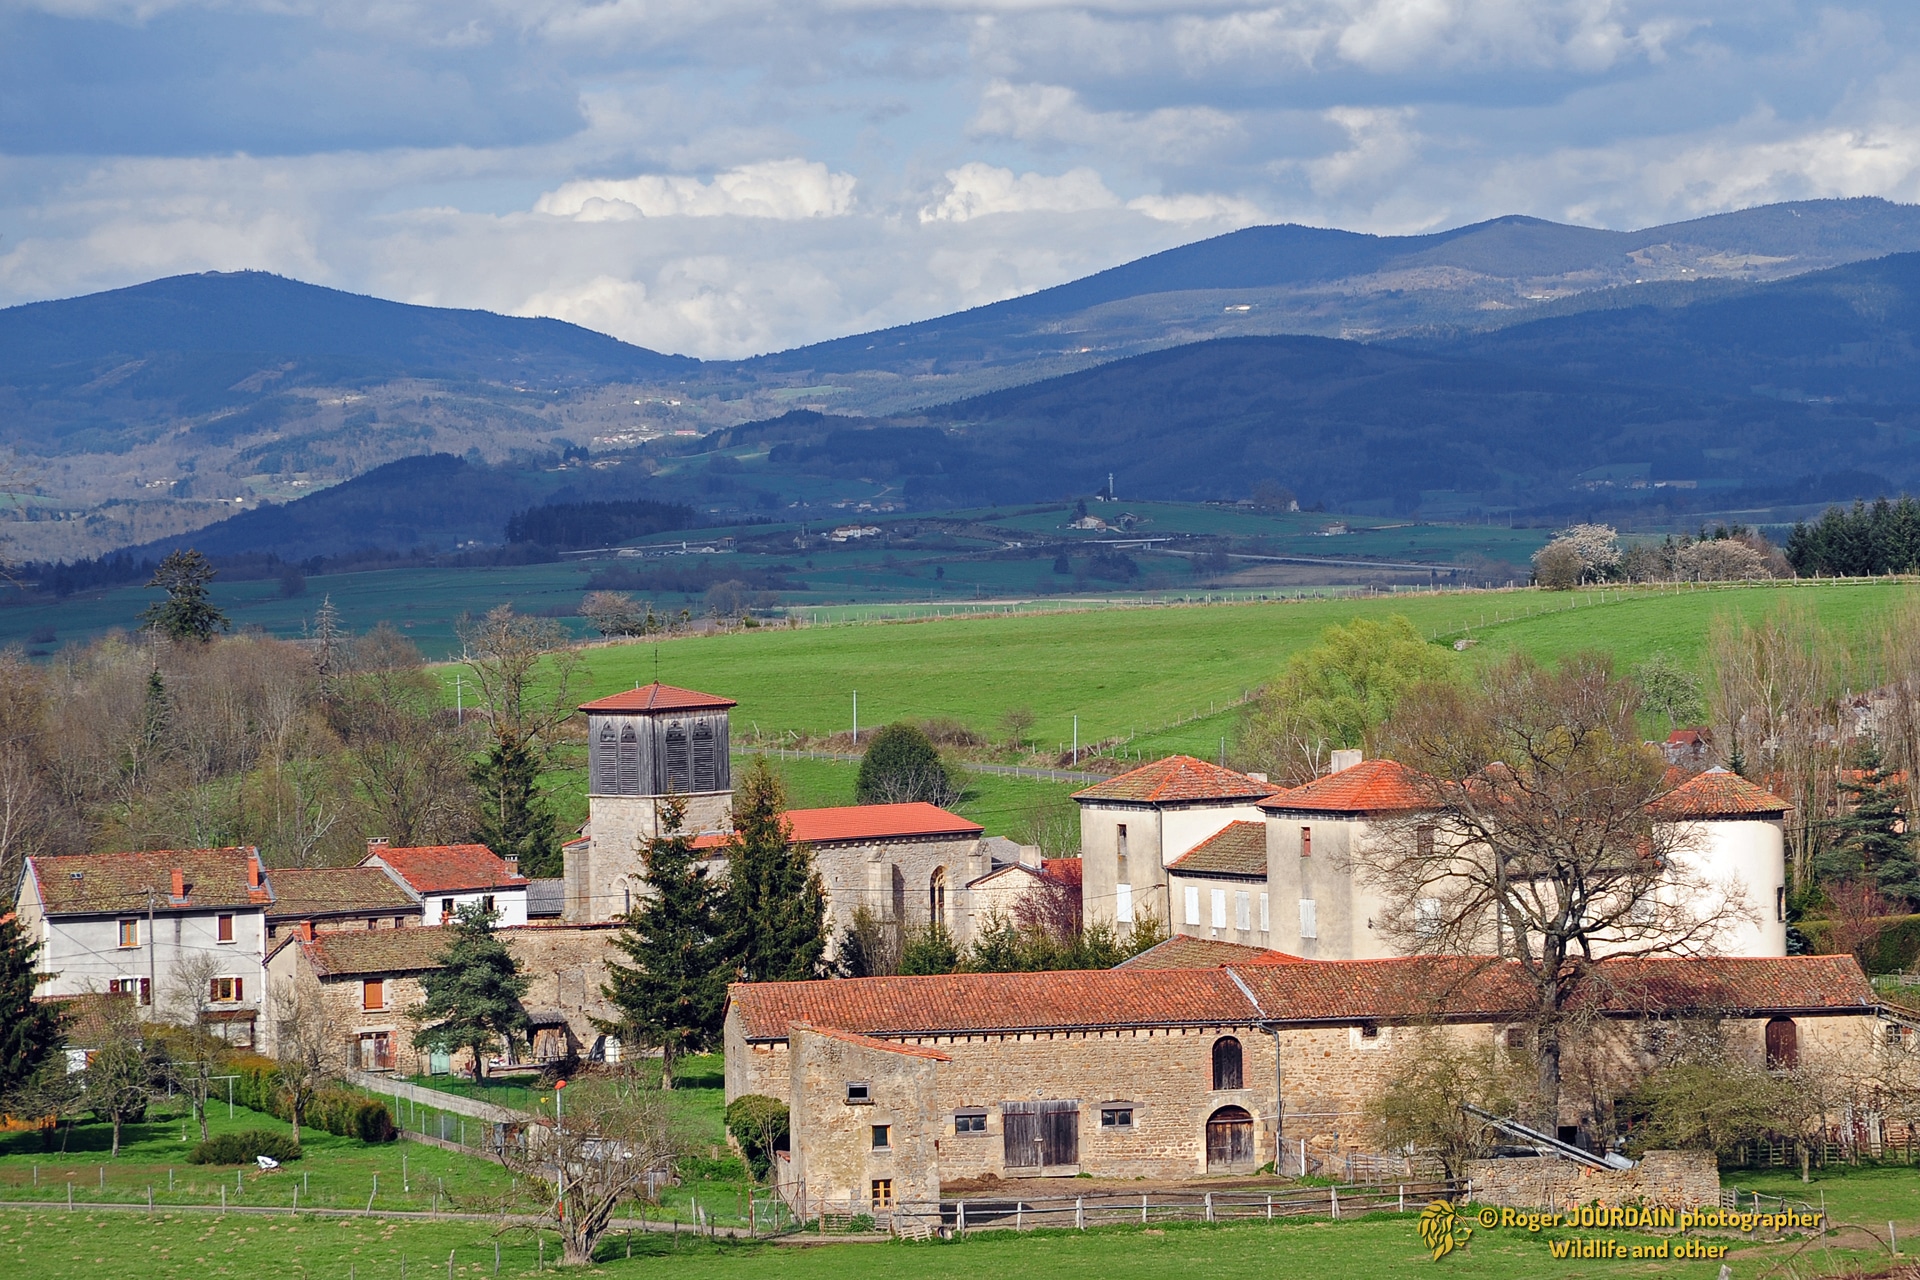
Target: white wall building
(444, 878)
(131, 922)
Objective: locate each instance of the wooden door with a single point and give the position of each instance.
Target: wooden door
(1229, 1138)
(1040, 1135)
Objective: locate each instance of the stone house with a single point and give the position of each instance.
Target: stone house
(327, 899)
(1184, 1072)
(1134, 826)
(370, 980)
(139, 923)
(445, 878)
(1285, 869)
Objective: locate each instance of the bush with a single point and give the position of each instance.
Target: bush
(902, 764)
(241, 1148)
(759, 1124)
(337, 1111)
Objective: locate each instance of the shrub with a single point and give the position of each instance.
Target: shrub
(241, 1148)
(902, 764)
(337, 1111)
(759, 1124)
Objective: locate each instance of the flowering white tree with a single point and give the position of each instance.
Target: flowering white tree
(1596, 545)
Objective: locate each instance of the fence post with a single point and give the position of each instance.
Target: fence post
(1143, 1208)
(962, 1219)
(1019, 1215)
(1403, 1197)
(1269, 1206)
(1333, 1198)
(1209, 1206)
(1080, 1213)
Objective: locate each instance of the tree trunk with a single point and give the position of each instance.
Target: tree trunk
(667, 1056)
(1806, 1160)
(479, 1064)
(116, 1134)
(200, 1108)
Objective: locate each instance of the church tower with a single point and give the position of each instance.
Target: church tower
(643, 746)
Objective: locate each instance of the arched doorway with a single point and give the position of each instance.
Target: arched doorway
(1783, 1044)
(1229, 1139)
(1226, 1063)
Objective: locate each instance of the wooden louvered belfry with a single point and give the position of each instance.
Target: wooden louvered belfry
(658, 741)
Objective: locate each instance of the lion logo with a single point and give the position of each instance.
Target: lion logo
(1442, 1230)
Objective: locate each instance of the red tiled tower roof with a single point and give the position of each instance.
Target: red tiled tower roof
(1177, 779)
(1372, 786)
(1719, 793)
(658, 697)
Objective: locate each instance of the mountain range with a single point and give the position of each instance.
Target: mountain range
(1516, 366)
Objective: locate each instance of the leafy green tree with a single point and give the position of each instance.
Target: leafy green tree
(475, 994)
(902, 764)
(1433, 1077)
(1874, 843)
(1670, 689)
(673, 993)
(776, 906)
(1337, 693)
(30, 1033)
(514, 818)
(188, 612)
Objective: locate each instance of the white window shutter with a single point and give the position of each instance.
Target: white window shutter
(1242, 909)
(1219, 905)
(1266, 917)
(1193, 905)
(1309, 925)
(1123, 903)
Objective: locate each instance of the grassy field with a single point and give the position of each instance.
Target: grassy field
(1148, 672)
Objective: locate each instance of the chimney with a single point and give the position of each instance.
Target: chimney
(513, 862)
(306, 931)
(1258, 777)
(1344, 759)
(253, 870)
(179, 885)
(376, 843)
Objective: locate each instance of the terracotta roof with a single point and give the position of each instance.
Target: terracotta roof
(658, 697)
(1415, 988)
(1718, 793)
(994, 1002)
(860, 823)
(351, 952)
(299, 892)
(447, 868)
(868, 1042)
(1481, 988)
(1184, 952)
(1177, 779)
(1237, 849)
(1061, 870)
(1372, 786)
(89, 883)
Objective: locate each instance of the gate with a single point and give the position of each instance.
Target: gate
(1040, 1135)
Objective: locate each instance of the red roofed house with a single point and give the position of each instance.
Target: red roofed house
(897, 1085)
(444, 878)
(906, 863)
(144, 923)
(1134, 826)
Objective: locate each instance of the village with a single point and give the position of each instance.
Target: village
(1301, 945)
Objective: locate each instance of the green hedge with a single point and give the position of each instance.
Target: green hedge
(1894, 949)
(337, 1111)
(241, 1148)
(759, 1124)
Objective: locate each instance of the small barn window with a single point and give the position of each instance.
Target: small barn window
(1117, 1115)
(883, 1137)
(1783, 1044)
(1226, 1063)
(859, 1093)
(882, 1192)
(973, 1121)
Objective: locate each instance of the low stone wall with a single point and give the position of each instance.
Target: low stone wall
(1677, 1179)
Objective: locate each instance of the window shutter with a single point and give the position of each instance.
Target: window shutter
(704, 774)
(1309, 923)
(213, 989)
(237, 992)
(1219, 905)
(1193, 905)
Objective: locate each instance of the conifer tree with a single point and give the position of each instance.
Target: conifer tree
(514, 818)
(673, 994)
(776, 906)
(1875, 846)
(29, 1032)
(188, 612)
(475, 994)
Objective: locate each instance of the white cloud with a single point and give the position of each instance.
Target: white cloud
(1189, 209)
(770, 189)
(978, 190)
(1052, 115)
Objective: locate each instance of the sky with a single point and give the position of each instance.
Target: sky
(726, 177)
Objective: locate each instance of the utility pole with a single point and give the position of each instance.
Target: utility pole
(856, 717)
(459, 705)
(152, 942)
(1076, 742)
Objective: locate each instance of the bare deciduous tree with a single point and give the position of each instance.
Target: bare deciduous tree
(307, 1043)
(525, 668)
(186, 1001)
(615, 1129)
(1537, 839)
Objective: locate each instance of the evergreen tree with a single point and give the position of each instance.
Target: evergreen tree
(475, 994)
(514, 818)
(188, 612)
(902, 764)
(776, 906)
(673, 995)
(29, 1032)
(1874, 844)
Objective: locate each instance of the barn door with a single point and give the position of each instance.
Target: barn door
(1040, 1135)
(1229, 1138)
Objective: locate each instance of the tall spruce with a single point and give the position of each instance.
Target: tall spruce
(474, 997)
(514, 818)
(672, 996)
(29, 1032)
(188, 612)
(776, 905)
(1875, 846)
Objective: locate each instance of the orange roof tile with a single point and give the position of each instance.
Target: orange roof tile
(88, 883)
(1414, 988)
(447, 868)
(1718, 793)
(1372, 786)
(1061, 870)
(1175, 780)
(868, 1042)
(658, 697)
(1237, 849)
(1184, 952)
(862, 823)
